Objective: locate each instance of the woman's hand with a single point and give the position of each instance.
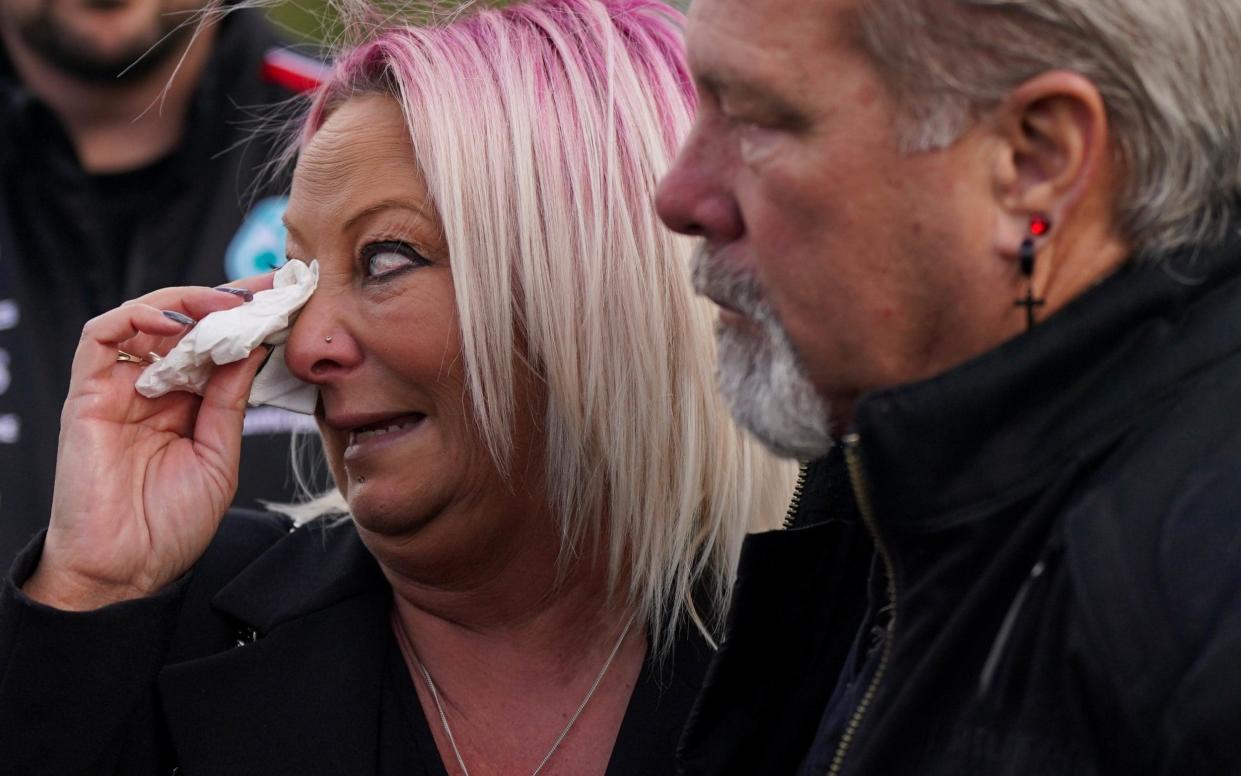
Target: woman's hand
(141, 484)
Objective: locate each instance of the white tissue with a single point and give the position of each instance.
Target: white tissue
(229, 335)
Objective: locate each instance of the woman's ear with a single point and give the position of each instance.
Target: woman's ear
(1054, 144)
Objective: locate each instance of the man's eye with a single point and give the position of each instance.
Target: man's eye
(757, 143)
(384, 258)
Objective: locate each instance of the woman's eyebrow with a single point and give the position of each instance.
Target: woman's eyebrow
(417, 209)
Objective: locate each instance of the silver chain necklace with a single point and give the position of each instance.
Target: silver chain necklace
(411, 656)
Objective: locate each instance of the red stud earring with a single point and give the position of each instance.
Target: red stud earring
(1039, 226)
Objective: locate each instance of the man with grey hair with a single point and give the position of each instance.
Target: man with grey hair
(981, 261)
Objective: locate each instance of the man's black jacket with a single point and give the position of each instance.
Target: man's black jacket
(70, 251)
(1061, 522)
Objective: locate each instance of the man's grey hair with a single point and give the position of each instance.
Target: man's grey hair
(1169, 72)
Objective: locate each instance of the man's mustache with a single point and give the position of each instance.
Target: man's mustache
(726, 285)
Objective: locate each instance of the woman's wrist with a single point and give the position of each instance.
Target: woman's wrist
(73, 593)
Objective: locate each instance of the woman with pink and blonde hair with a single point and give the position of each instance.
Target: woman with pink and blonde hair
(540, 498)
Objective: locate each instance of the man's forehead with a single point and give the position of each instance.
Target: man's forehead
(756, 43)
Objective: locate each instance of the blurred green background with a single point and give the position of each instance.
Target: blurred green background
(301, 19)
(308, 20)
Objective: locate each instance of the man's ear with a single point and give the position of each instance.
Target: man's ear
(1054, 144)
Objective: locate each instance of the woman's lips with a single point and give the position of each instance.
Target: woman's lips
(381, 435)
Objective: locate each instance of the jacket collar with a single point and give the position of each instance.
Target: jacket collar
(983, 431)
(319, 565)
(304, 696)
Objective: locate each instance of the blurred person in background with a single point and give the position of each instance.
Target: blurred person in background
(129, 161)
(987, 253)
(546, 496)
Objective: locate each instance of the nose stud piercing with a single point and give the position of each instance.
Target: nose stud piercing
(328, 338)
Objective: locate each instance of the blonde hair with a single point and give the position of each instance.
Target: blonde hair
(541, 130)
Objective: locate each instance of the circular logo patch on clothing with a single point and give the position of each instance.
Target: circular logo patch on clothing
(258, 246)
(10, 314)
(10, 429)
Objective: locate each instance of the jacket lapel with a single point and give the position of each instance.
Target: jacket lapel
(302, 697)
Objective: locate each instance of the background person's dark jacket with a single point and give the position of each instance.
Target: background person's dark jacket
(66, 255)
(1063, 515)
(274, 656)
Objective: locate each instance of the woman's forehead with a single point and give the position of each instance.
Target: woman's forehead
(356, 131)
(362, 151)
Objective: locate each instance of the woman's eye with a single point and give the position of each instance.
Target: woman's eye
(384, 258)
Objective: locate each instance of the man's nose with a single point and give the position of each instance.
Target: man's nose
(695, 196)
(321, 345)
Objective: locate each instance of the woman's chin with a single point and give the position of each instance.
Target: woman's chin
(388, 515)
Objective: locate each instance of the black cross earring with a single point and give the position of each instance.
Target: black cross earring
(1039, 226)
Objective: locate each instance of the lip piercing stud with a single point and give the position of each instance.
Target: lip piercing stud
(328, 338)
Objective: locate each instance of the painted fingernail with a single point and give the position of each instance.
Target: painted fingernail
(244, 293)
(180, 318)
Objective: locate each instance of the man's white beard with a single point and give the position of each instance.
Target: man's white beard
(758, 372)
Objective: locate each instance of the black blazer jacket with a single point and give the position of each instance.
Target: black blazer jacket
(267, 658)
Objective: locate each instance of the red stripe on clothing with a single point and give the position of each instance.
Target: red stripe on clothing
(293, 71)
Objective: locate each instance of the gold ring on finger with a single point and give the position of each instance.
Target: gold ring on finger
(130, 358)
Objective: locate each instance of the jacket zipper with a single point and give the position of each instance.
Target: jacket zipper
(803, 470)
(858, 479)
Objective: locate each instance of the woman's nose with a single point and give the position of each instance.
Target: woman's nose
(320, 346)
(694, 197)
